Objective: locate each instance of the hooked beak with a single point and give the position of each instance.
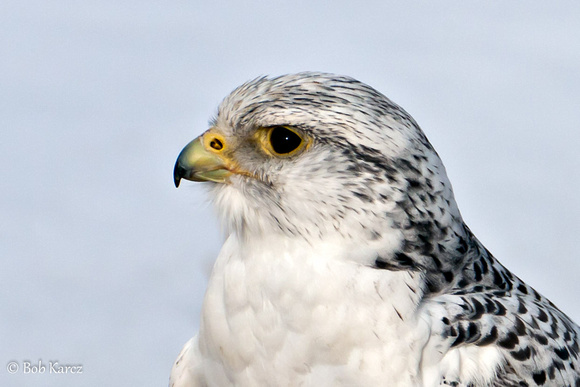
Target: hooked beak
(203, 160)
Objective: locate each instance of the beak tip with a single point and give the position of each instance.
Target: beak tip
(177, 174)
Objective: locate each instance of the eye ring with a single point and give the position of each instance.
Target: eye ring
(284, 141)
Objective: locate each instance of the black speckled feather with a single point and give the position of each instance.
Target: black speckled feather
(370, 185)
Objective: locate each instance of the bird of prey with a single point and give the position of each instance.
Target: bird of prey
(347, 262)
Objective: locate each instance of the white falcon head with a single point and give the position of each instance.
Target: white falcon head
(316, 156)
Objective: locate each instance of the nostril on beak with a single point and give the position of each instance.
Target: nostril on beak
(216, 144)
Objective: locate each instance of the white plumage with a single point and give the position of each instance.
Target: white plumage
(347, 261)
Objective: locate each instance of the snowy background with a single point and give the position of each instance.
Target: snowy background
(104, 262)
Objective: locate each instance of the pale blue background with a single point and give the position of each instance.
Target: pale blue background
(104, 262)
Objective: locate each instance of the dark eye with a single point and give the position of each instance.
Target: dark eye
(284, 140)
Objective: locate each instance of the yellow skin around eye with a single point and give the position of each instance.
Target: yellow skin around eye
(263, 137)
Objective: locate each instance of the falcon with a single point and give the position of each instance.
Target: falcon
(347, 262)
